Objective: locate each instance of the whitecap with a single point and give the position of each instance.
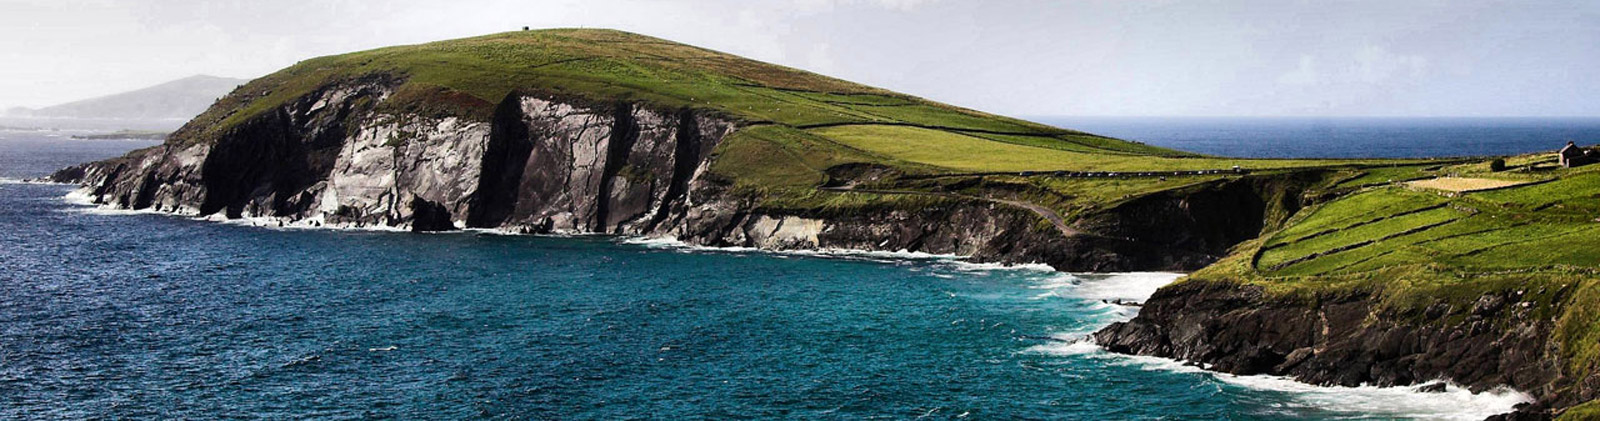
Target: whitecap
(1113, 296)
(285, 224)
(883, 256)
(991, 267)
(657, 242)
(34, 181)
(1127, 286)
(79, 197)
(492, 231)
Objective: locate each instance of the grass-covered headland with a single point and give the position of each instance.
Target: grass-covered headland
(796, 124)
(1429, 240)
(1438, 253)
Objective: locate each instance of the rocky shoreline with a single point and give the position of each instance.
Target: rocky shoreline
(1344, 339)
(546, 164)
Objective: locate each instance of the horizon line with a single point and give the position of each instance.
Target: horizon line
(1197, 116)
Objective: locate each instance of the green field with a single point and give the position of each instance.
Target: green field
(1418, 249)
(1530, 226)
(975, 152)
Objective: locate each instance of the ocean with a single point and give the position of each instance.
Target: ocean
(1347, 137)
(127, 315)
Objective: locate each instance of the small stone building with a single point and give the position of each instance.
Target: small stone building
(1572, 156)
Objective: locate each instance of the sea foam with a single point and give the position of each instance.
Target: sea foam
(671, 243)
(1455, 403)
(9, 180)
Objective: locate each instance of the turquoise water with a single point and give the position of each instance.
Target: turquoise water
(107, 314)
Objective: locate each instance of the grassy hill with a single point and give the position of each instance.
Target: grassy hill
(796, 125)
(1540, 221)
(470, 75)
(799, 129)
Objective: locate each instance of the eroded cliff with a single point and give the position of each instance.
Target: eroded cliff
(547, 164)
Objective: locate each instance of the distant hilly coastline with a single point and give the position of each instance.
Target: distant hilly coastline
(125, 135)
(180, 99)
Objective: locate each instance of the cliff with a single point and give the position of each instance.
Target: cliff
(1399, 285)
(529, 132)
(593, 131)
(1507, 338)
(544, 164)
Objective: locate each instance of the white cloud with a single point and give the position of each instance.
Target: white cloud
(817, 6)
(1375, 64)
(902, 5)
(1228, 57)
(820, 59)
(1304, 73)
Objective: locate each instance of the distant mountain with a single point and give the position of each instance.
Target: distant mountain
(178, 99)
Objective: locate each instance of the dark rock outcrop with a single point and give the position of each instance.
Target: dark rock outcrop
(429, 217)
(1344, 338)
(1203, 223)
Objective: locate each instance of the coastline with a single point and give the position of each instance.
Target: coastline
(1454, 402)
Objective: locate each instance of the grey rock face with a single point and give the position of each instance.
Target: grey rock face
(558, 168)
(330, 159)
(548, 165)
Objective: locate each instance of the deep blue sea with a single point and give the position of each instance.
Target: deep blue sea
(117, 315)
(1347, 137)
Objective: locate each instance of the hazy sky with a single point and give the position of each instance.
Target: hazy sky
(1125, 57)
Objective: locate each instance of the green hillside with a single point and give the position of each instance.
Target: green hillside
(796, 124)
(1416, 246)
(1544, 219)
(467, 76)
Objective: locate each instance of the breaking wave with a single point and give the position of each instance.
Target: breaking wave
(1454, 403)
(669, 243)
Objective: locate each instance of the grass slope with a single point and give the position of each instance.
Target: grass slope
(1417, 247)
(467, 76)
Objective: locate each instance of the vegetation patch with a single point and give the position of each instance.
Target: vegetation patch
(1532, 240)
(972, 152)
(1587, 411)
(1464, 184)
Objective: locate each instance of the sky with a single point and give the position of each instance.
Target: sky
(1027, 58)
